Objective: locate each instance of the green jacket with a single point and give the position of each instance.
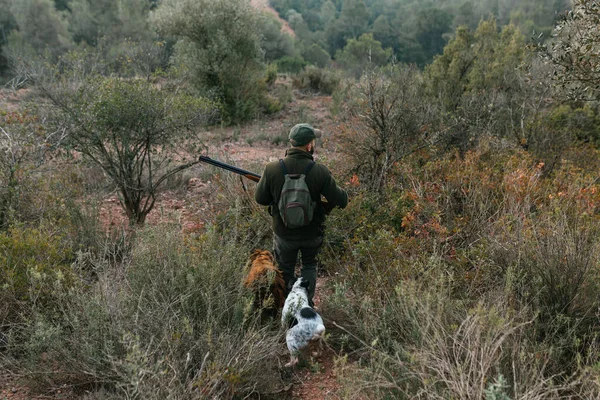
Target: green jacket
(319, 182)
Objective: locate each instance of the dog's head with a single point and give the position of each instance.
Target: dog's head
(264, 256)
(299, 284)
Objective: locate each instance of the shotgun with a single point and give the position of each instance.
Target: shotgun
(250, 175)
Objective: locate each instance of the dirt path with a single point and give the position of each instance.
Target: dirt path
(318, 380)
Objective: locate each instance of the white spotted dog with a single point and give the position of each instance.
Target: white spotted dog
(303, 322)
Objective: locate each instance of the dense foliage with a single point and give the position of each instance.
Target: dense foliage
(224, 58)
(465, 266)
(415, 30)
(574, 51)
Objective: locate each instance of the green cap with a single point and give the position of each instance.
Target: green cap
(303, 134)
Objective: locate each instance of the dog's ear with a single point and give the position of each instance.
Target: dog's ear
(305, 283)
(254, 254)
(290, 284)
(270, 256)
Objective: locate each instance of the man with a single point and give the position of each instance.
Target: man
(306, 239)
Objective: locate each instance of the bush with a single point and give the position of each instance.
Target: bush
(419, 342)
(224, 58)
(386, 120)
(108, 123)
(548, 263)
(317, 80)
(271, 74)
(170, 318)
(194, 319)
(481, 252)
(34, 271)
(292, 65)
(316, 55)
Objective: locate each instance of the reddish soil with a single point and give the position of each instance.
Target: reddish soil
(11, 390)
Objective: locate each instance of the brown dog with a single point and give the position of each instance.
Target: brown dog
(266, 281)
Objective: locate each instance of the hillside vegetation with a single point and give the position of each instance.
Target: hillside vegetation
(466, 265)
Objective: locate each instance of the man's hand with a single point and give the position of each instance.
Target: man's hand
(327, 206)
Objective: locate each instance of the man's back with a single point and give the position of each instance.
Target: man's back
(319, 181)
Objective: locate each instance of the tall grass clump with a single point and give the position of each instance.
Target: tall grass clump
(168, 318)
(185, 311)
(421, 342)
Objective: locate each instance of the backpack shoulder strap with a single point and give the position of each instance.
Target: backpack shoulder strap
(308, 167)
(285, 172)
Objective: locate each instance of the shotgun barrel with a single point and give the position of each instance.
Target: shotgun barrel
(250, 175)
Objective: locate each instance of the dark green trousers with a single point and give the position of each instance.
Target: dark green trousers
(286, 254)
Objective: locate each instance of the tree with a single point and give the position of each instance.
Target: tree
(275, 43)
(7, 24)
(574, 51)
(360, 54)
(92, 20)
(133, 129)
(116, 28)
(61, 5)
(39, 28)
(383, 32)
(219, 42)
(447, 75)
(388, 119)
(475, 62)
(316, 55)
(354, 18)
(327, 12)
(479, 81)
(299, 26)
(335, 34)
(430, 25)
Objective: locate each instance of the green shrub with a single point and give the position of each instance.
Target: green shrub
(34, 271)
(317, 80)
(224, 58)
(186, 307)
(271, 74)
(272, 105)
(316, 55)
(291, 65)
(170, 320)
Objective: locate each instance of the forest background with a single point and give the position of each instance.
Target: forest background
(466, 132)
